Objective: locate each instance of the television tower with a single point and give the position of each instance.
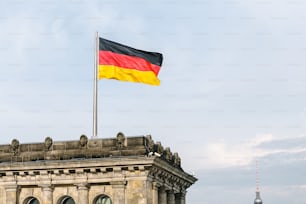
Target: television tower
(257, 199)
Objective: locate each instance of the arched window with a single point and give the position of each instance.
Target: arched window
(31, 200)
(66, 200)
(103, 199)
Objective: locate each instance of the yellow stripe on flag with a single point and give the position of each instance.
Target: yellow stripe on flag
(131, 75)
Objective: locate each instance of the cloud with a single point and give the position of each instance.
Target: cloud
(284, 143)
(221, 154)
(282, 179)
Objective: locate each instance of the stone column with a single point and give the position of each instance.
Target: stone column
(155, 193)
(177, 198)
(162, 195)
(180, 198)
(11, 194)
(170, 197)
(47, 194)
(83, 193)
(118, 192)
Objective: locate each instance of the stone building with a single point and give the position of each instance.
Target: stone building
(119, 170)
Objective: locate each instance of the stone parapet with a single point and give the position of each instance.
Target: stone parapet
(87, 149)
(126, 170)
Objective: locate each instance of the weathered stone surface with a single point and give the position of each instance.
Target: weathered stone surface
(126, 169)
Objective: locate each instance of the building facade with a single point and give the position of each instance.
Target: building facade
(119, 170)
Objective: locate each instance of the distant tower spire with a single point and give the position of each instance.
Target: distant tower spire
(257, 176)
(257, 199)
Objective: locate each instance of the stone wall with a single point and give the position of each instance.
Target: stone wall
(127, 170)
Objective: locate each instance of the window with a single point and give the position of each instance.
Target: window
(31, 200)
(103, 199)
(66, 200)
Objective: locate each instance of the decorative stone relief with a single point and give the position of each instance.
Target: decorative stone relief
(120, 140)
(176, 160)
(167, 154)
(159, 148)
(83, 141)
(15, 147)
(48, 143)
(150, 143)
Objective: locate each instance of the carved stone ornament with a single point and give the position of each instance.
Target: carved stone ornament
(176, 160)
(83, 141)
(120, 140)
(48, 143)
(167, 154)
(15, 146)
(150, 143)
(159, 148)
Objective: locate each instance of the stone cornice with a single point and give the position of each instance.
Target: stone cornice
(96, 161)
(99, 170)
(160, 164)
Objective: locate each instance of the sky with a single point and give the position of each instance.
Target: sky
(233, 85)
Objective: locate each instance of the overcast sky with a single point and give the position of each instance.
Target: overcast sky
(233, 85)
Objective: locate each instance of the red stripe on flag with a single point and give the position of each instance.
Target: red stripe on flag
(125, 61)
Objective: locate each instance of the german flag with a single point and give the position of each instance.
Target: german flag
(117, 61)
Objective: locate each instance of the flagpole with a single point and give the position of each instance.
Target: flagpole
(95, 99)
